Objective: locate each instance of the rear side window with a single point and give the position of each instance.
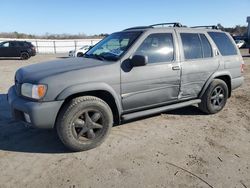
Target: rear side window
(158, 47)
(191, 45)
(223, 43)
(206, 47)
(20, 44)
(27, 44)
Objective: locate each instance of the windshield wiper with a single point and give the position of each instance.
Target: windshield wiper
(95, 56)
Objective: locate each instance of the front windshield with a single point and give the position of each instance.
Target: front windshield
(113, 47)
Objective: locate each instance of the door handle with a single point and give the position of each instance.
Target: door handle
(176, 67)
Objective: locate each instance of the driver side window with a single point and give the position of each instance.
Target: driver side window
(158, 48)
(5, 45)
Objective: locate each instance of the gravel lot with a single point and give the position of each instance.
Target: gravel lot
(181, 148)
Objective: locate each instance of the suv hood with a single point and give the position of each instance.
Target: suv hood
(36, 72)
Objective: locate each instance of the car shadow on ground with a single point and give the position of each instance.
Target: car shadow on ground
(14, 136)
(246, 55)
(10, 58)
(63, 57)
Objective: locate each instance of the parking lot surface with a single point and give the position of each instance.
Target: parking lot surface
(180, 148)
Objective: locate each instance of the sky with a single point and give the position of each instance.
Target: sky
(107, 16)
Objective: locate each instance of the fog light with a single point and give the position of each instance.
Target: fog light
(27, 118)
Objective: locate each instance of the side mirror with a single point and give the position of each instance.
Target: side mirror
(139, 60)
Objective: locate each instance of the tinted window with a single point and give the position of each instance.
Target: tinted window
(21, 44)
(158, 48)
(12, 44)
(191, 45)
(206, 47)
(27, 44)
(223, 43)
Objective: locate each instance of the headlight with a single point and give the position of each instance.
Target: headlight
(33, 91)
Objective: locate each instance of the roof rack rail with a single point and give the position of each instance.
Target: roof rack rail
(174, 24)
(139, 27)
(207, 27)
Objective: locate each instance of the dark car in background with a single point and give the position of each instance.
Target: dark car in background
(22, 49)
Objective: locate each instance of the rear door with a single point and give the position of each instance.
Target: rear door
(198, 62)
(14, 49)
(157, 82)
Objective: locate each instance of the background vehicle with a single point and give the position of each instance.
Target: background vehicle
(80, 52)
(22, 49)
(240, 43)
(129, 74)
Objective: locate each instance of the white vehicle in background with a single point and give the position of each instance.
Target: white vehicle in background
(80, 52)
(240, 43)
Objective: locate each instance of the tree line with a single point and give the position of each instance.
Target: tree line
(237, 30)
(49, 36)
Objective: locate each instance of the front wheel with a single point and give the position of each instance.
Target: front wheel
(215, 97)
(84, 123)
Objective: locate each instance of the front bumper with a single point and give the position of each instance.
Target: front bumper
(41, 114)
(72, 54)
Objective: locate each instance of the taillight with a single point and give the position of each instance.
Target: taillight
(242, 67)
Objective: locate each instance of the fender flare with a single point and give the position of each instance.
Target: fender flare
(210, 79)
(87, 87)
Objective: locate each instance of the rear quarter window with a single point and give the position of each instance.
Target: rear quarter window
(223, 43)
(27, 44)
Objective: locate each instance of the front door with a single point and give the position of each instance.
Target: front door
(4, 49)
(157, 82)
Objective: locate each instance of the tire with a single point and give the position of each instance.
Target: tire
(84, 123)
(79, 55)
(215, 97)
(24, 56)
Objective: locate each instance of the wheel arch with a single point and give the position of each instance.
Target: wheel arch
(225, 76)
(104, 92)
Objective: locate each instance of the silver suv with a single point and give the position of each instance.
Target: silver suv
(129, 74)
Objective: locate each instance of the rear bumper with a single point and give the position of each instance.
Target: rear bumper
(237, 82)
(41, 114)
(33, 53)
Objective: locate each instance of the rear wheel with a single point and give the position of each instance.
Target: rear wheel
(215, 97)
(84, 123)
(24, 55)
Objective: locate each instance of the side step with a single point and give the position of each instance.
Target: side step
(139, 114)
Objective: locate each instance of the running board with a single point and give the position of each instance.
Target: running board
(158, 110)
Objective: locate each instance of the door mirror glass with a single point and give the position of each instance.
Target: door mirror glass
(158, 47)
(139, 60)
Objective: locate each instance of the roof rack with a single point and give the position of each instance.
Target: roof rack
(139, 27)
(174, 24)
(207, 27)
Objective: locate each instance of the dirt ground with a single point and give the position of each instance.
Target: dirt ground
(181, 148)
